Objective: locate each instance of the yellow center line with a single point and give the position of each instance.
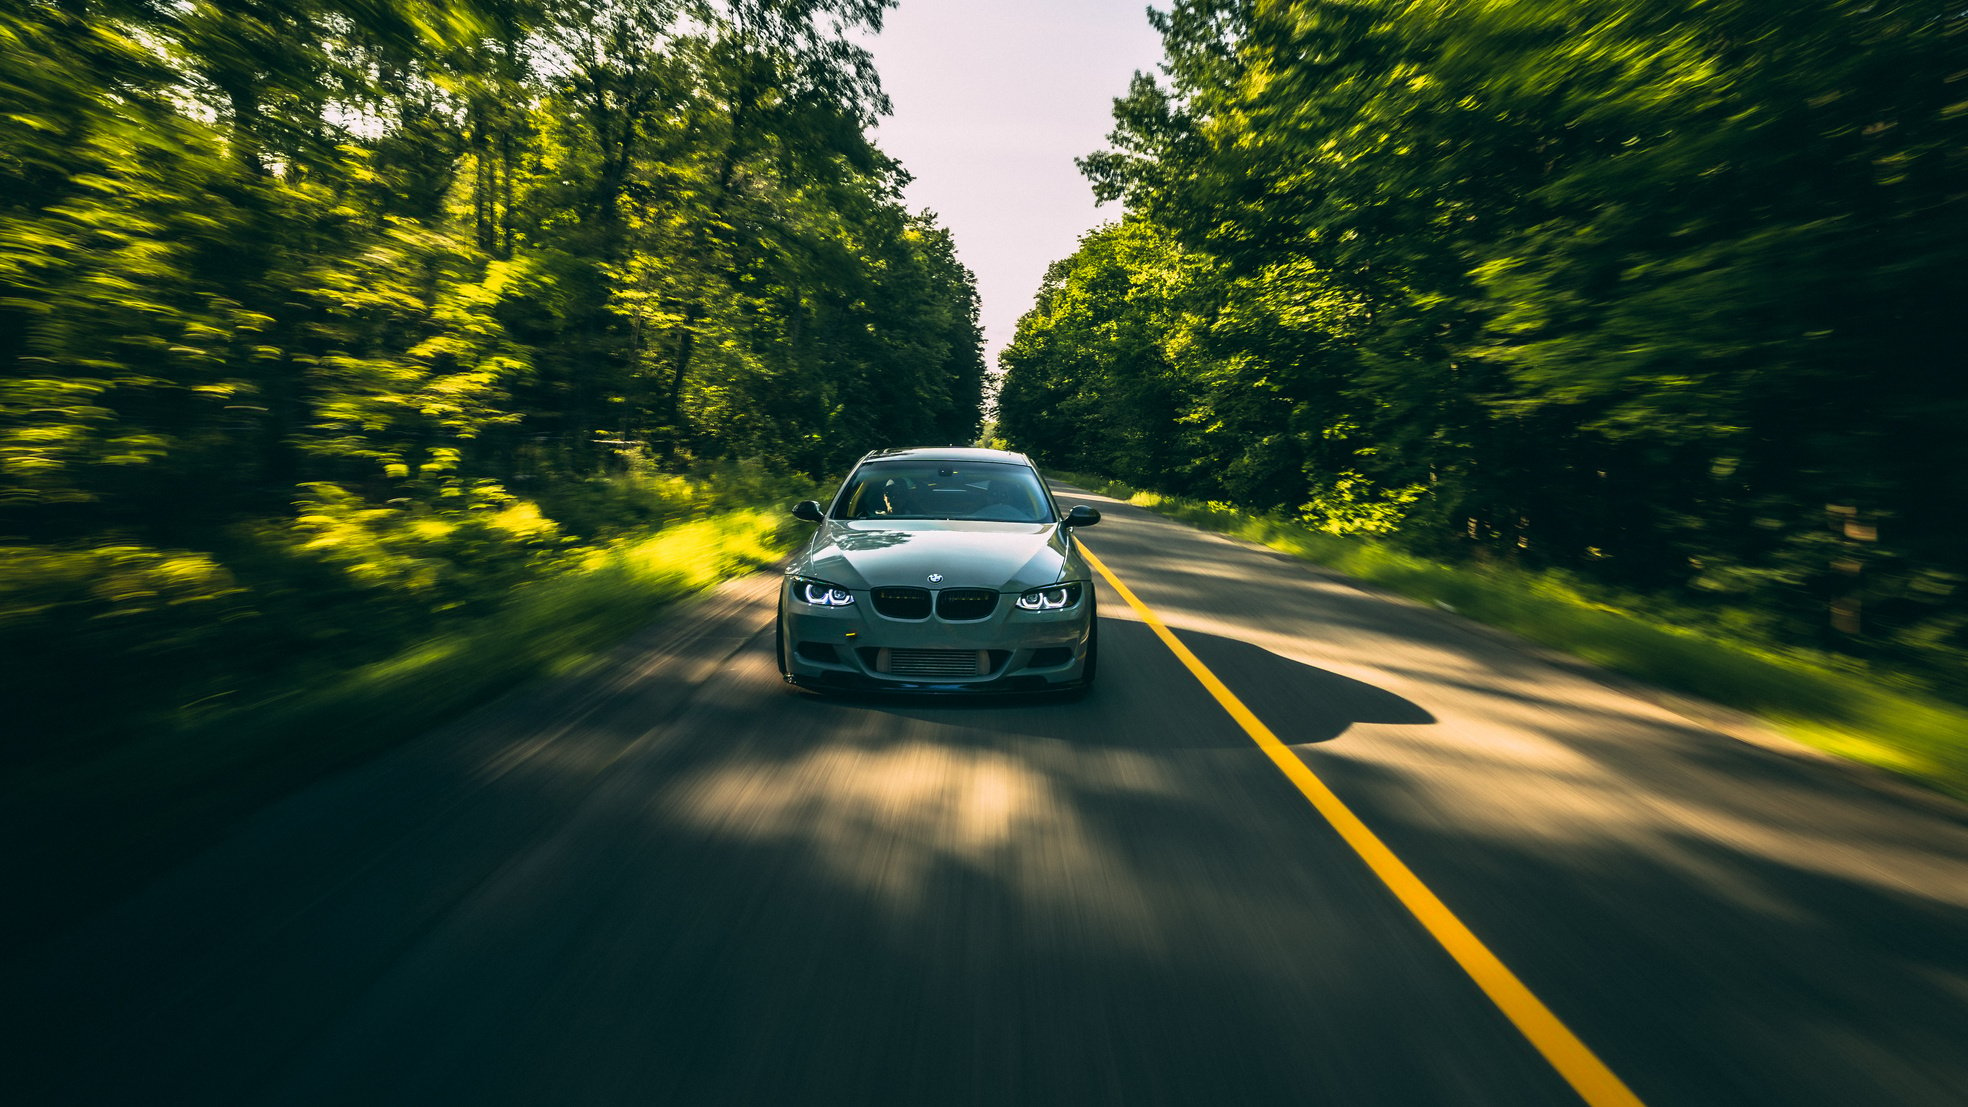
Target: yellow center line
(1589, 1076)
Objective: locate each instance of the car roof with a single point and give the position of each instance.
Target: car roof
(946, 453)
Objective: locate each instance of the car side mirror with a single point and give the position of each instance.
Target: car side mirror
(808, 510)
(1081, 516)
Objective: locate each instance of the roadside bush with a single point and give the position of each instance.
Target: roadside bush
(115, 641)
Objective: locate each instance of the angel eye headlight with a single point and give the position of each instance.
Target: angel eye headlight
(820, 594)
(1056, 598)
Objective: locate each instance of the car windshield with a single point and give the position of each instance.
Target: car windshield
(943, 490)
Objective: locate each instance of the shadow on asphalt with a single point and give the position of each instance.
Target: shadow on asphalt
(1301, 703)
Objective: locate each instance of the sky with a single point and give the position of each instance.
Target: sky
(993, 101)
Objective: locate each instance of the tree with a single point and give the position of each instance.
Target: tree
(1656, 294)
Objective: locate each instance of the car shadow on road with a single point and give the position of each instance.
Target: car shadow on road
(1142, 686)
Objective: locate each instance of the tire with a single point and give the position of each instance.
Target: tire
(779, 643)
(1092, 667)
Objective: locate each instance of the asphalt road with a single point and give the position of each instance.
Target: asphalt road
(681, 882)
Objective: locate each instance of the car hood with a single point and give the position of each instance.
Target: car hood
(1007, 557)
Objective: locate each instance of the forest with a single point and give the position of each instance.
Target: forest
(1663, 298)
(329, 323)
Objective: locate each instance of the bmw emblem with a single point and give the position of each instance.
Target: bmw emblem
(936, 578)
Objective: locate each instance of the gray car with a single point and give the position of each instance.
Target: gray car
(940, 570)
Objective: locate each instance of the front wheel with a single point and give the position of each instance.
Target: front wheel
(779, 642)
(1091, 667)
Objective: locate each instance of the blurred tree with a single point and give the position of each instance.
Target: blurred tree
(307, 307)
(1633, 291)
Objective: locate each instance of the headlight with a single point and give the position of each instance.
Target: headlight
(820, 594)
(1056, 598)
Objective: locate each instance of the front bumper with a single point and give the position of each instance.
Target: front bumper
(856, 647)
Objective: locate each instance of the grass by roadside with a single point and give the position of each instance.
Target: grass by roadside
(1844, 711)
(87, 830)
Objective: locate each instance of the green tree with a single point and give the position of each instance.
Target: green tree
(324, 321)
(1657, 294)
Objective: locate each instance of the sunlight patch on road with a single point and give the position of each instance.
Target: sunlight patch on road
(884, 820)
(1505, 778)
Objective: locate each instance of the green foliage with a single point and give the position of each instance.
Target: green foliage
(163, 639)
(329, 326)
(1096, 372)
(1662, 296)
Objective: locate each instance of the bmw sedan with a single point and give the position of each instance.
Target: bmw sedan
(940, 570)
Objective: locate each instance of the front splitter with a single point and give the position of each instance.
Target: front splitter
(856, 682)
